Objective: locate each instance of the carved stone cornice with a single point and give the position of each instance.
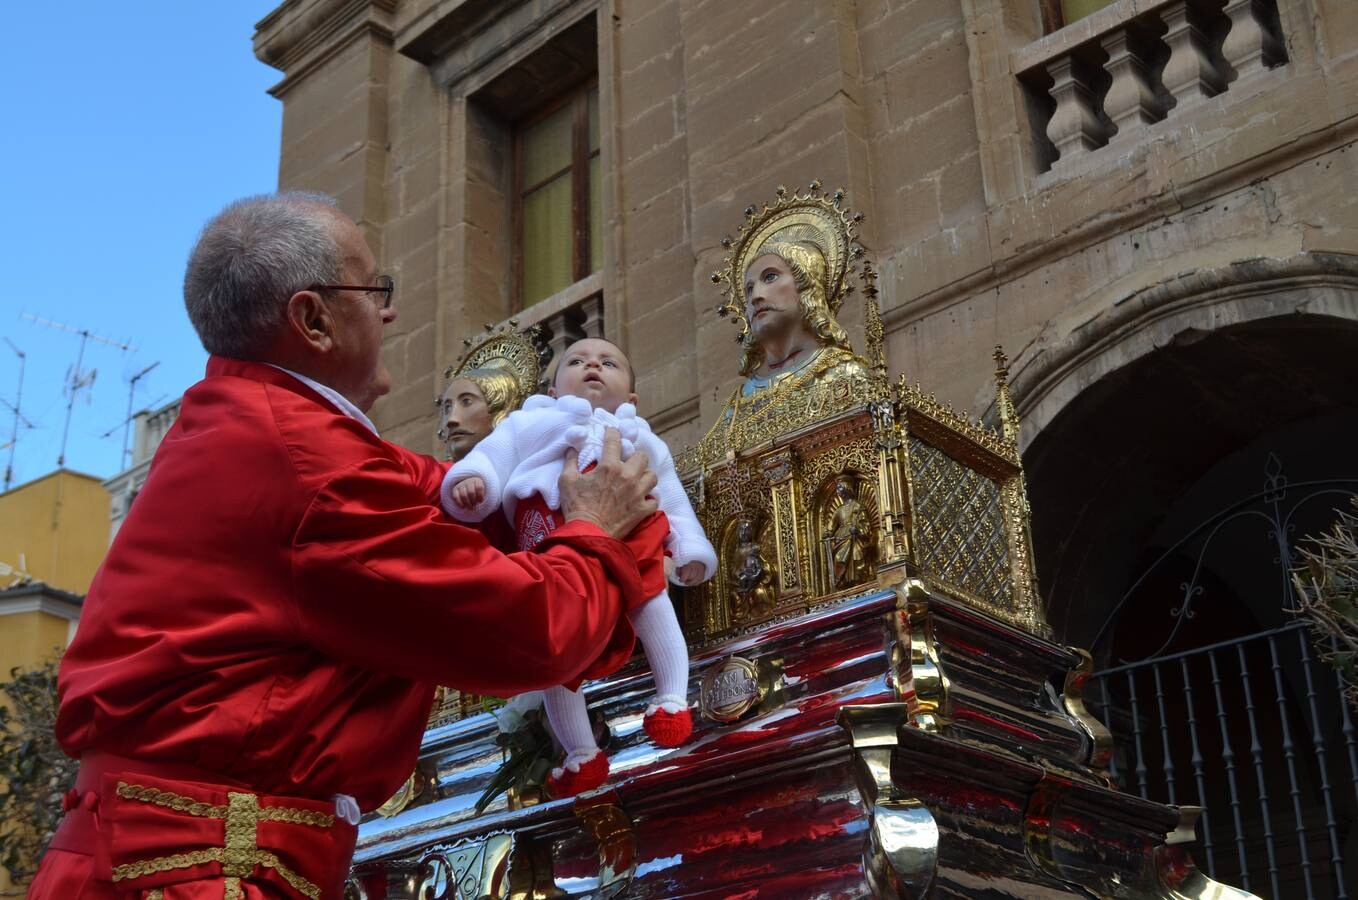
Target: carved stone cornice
(459, 39)
(300, 34)
(443, 25)
(1257, 287)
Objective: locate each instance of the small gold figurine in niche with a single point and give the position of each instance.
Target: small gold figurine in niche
(849, 538)
(752, 575)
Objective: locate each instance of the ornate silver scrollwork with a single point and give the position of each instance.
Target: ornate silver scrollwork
(928, 699)
(1177, 874)
(613, 833)
(1073, 699)
(901, 855)
(474, 869)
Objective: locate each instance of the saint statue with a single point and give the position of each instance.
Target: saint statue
(786, 279)
(849, 538)
(792, 336)
(752, 575)
(495, 375)
(474, 403)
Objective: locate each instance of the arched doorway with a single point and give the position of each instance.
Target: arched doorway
(1167, 497)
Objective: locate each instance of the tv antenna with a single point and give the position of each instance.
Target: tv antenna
(77, 379)
(18, 416)
(127, 422)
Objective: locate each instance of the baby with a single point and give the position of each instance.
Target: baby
(517, 467)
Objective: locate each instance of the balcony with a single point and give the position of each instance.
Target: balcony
(1097, 85)
(569, 315)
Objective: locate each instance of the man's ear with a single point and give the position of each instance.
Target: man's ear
(309, 318)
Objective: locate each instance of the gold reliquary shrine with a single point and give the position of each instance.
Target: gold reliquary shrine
(823, 479)
(900, 486)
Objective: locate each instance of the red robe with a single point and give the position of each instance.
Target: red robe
(285, 594)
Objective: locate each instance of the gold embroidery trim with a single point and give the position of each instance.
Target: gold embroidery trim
(156, 894)
(241, 852)
(242, 821)
(299, 884)
(176, 802)
(295, 816)
(144, 867)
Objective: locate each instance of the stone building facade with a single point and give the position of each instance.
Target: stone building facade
(1151, 209)
(1192, 197)
(149, 428)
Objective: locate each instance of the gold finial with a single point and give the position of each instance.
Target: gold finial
(1004, 402)
(874, 332)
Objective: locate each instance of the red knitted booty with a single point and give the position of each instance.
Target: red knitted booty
(578, 775)
(665, 728)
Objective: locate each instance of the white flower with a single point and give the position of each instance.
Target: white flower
(513, 715)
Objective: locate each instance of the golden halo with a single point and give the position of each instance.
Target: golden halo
(505, 347)
(813, 218)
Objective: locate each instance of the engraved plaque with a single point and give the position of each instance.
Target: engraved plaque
(731, 689)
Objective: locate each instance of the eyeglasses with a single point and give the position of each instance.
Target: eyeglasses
(385, 286)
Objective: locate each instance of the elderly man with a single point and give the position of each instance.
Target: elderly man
(259, 651)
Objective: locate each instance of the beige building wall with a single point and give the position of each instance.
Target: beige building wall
(36, 624)
(53, 534)
(1083, 198)
(56, 529)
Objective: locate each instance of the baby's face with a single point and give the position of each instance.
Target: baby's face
(597, 371)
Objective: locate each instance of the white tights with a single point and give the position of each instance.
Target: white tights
(658, 629)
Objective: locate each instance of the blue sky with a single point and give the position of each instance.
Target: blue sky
(129, 124)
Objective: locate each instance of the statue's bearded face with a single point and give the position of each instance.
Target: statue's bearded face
(772, 305)
(466, 417)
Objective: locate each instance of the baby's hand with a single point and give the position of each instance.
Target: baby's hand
(467, 494)
(690, 573)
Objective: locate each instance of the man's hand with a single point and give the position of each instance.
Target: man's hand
(690, 573)
(614, 495)
(467, 494)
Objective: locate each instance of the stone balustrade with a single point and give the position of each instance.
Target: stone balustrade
(1103, 80)
(574, 313)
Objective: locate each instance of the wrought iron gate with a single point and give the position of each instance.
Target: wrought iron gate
(1253, 728)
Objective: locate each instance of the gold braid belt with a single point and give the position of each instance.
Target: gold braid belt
(156, 832)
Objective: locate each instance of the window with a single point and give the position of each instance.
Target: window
(1057, 14)
(558, 208)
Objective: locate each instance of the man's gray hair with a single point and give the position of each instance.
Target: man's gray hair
(251, 257)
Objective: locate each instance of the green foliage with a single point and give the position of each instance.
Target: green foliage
(528, 753)
(34, 772)
(1327, 593)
